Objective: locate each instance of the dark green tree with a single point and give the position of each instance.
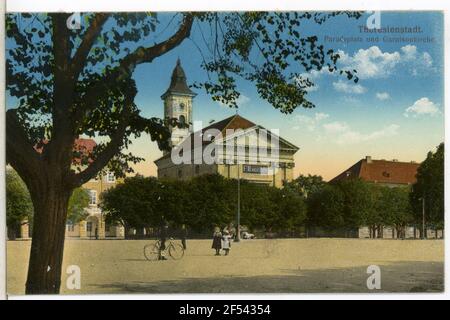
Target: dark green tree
(345, 204)
(306, 185)
(133, 203)
(72, 82)
(18, 203)
(77, 204)
(358, 201)
(258, 209)
(291, 210)
(428, 191)
(326, 208)
(395, 208)
(210, 202)
(374, 217)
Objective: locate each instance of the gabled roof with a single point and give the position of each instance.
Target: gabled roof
(381, 171)
(178, 83)
(234, 122)
(81, 147)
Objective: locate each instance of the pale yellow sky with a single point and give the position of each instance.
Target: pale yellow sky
(313, 157)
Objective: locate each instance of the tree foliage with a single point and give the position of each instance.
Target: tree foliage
(18, 202)
(78, 202)
(306, 185)
(395, 208)
(201, 203)
(430, 186)
(93, 66)
(351, 203)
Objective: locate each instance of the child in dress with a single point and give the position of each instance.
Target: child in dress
(226, 242)
(217, 241)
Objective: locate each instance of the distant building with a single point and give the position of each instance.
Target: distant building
(235, 138)
(94, 226)
(391, 173)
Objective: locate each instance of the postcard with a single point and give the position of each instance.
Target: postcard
(224, 152)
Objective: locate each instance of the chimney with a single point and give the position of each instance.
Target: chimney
(368, 159)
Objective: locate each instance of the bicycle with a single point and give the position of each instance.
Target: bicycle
(152, 252)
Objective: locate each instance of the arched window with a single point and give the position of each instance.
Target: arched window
(182, 120)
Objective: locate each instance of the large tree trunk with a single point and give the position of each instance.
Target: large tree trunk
(50, 213)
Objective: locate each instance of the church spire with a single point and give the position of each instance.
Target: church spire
(178, 84)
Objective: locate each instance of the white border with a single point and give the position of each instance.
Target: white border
(236, 5)
(210, 5)
(2, 159)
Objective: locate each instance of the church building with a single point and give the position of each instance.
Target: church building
(234, 147)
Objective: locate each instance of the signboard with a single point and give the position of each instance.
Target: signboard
(255, 169)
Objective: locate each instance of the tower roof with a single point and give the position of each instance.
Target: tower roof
(178, 83)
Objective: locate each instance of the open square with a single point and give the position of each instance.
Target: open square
(253, 266)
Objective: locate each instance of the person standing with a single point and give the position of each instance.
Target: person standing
(217, 241)
(162, 238)
(226, 242)
(183, 236)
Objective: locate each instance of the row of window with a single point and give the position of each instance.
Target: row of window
(71, 227)
(245, 169)
(109, 178)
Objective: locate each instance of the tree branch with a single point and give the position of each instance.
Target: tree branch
(20, 153)
(141, 54)
(89, 38)
(108, 153)
(128, 64)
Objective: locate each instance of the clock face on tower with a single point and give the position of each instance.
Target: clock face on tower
(179, 107)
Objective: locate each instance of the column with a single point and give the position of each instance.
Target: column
(82, 225)
(25, 230)
(101, 227)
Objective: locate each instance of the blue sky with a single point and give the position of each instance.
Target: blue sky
(349, 121)
(395, 110)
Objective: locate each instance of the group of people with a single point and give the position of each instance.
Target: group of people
(222, 240)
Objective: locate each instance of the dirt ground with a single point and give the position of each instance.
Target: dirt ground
(253, 266)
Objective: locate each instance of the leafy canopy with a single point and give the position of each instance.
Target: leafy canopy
(18, 201)
(430, 186)
(80, 81)
(201, 203)
(77, 204)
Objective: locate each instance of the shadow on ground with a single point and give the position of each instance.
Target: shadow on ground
(396, 277)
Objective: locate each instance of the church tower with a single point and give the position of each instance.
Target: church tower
(178, 104)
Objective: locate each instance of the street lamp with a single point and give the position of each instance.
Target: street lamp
(238, 227)
(423, 217)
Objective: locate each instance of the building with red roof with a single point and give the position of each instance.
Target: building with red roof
(386, 172)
